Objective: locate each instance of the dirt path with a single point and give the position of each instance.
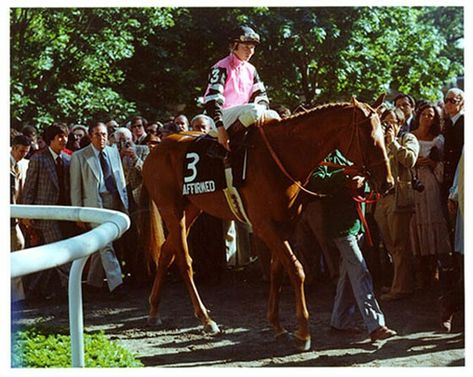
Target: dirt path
(238, 305)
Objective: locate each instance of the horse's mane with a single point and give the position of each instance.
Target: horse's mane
(306, 113)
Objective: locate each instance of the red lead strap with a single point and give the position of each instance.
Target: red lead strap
(371, 198)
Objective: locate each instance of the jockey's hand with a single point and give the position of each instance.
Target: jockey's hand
(223, 138)
(355, 182)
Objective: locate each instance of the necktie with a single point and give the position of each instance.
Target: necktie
(16, 169)
(60, 178)
(14, 186)
(107, 174)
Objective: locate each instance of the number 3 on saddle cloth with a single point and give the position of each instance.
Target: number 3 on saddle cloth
(204, 167)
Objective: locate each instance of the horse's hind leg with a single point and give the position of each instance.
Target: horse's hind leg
(276, 279)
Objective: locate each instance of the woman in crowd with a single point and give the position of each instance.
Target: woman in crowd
(428, 228)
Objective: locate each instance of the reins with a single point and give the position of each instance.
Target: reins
(280, 165)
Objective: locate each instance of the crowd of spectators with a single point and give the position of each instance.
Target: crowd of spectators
(415, 223)
(98, 165)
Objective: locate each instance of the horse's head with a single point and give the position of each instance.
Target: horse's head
(365, 146)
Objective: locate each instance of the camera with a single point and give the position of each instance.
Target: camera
(171, 127)
(385, 126)
(123, 144)
(417, 184)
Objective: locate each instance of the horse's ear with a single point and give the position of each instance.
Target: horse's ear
(359, 105)
(379, 101)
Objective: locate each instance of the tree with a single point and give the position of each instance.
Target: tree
(339, 52)
(72, 64)
(63, 61)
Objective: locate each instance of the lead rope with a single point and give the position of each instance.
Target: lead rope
(370, 199)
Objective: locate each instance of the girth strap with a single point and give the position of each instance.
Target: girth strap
(234, 200)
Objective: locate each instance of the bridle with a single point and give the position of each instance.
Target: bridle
(355, 126)
(355, 136)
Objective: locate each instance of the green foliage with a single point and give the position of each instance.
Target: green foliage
(32, 348)
(64, 61)
(76, 63)
(339, 52)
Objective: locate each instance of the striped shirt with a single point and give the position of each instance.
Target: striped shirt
(232, 82)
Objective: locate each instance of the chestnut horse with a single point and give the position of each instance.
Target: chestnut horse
(298, 144)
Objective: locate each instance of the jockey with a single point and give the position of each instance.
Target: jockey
(235, 95)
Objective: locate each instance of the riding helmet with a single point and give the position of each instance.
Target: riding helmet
(244, 34)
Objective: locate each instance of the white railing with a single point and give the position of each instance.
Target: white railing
(76, 249)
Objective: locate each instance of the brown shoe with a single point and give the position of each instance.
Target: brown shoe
(382, 333)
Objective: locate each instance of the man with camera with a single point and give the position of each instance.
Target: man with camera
(393, 212)
(132, 157)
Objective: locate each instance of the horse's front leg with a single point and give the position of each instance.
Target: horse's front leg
(283, 254)
(184, 262)
(165, 260)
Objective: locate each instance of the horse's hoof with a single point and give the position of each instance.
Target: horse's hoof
(211, 328)
(282, 336)
(302, 344)
(154, 321)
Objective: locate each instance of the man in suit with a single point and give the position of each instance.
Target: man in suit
(454, 136)
(97, 180)
(47, 183)
(18, 166)
(452, 270)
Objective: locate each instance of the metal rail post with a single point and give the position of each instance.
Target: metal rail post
(76, 250)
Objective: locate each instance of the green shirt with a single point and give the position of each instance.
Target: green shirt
(340, 214)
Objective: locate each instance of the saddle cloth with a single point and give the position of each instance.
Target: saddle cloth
(202, 174)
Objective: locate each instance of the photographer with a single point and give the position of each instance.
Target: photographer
(393, 211)
(132, 157)
(429, 232)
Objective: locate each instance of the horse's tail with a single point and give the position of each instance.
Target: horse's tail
(152, 228)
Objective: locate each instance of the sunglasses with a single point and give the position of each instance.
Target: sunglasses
(453, 101)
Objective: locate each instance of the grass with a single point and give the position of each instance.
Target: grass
(37, 347)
